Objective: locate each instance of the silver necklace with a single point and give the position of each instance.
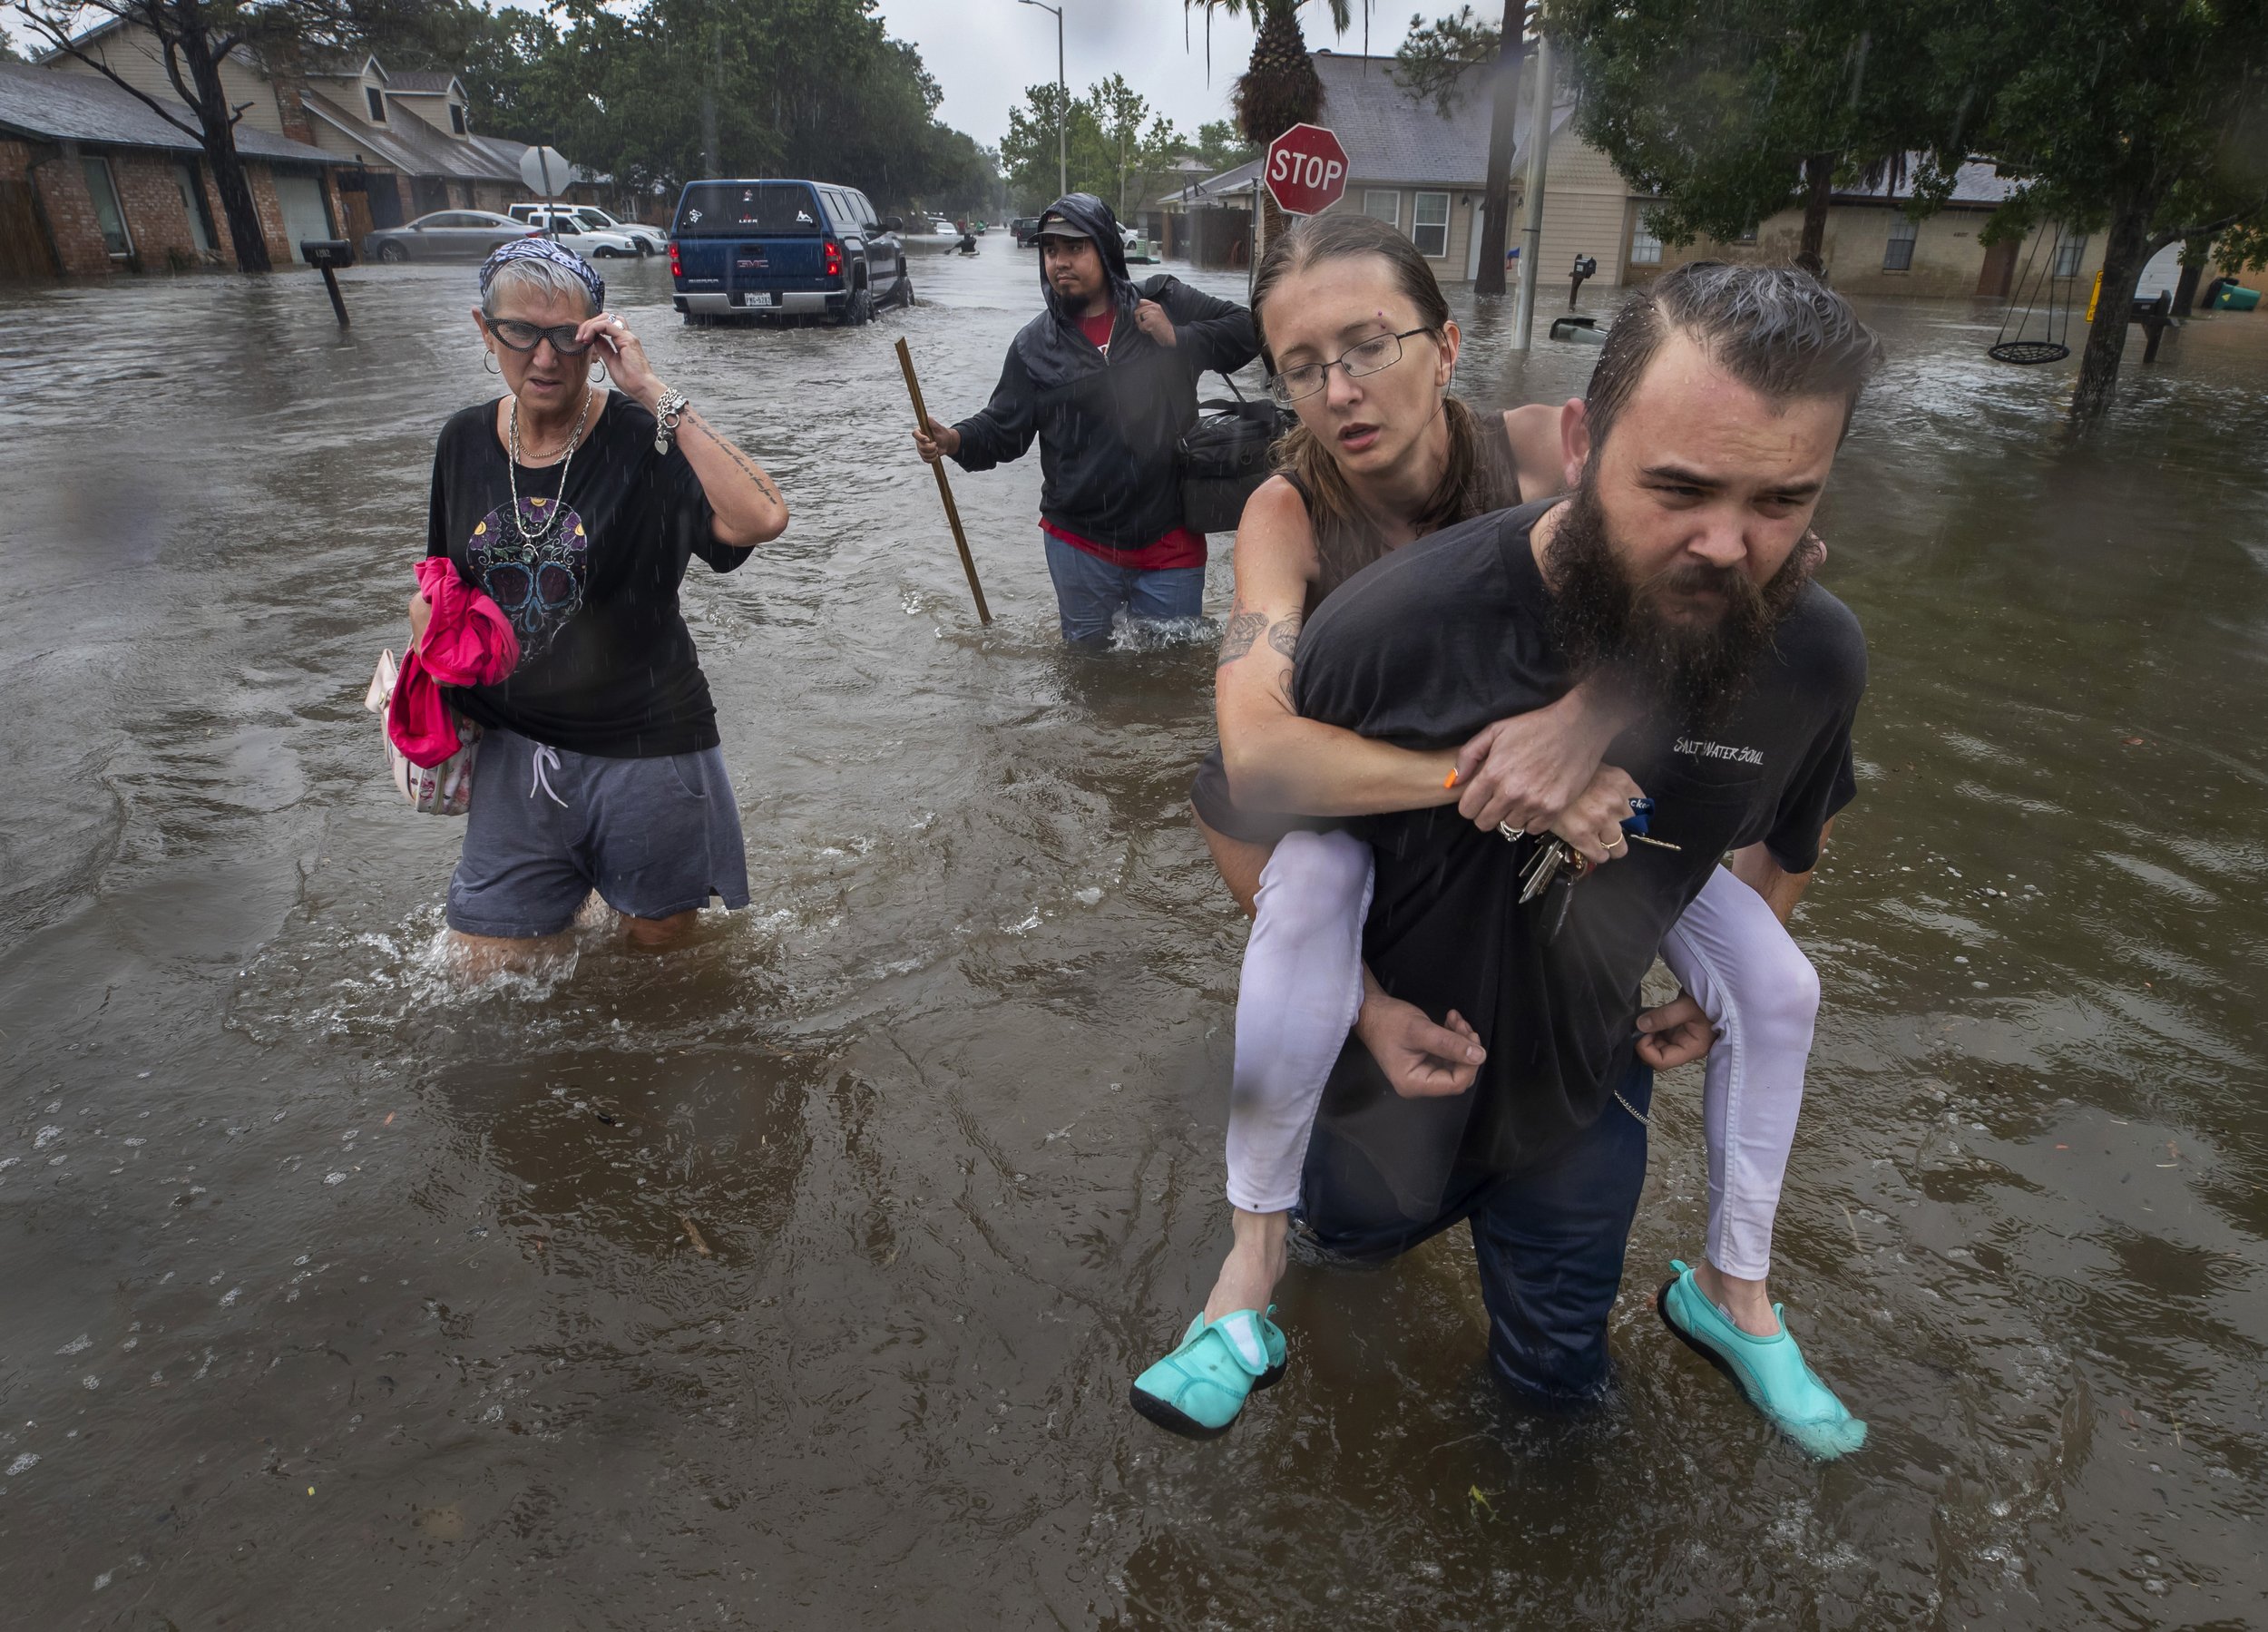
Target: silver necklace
(550, 520)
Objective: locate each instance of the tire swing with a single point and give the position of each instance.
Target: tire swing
(2050, 347)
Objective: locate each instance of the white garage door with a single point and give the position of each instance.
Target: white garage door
(303, 215)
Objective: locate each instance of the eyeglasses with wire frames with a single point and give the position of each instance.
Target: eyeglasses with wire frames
(1380, 351)
(527, 336)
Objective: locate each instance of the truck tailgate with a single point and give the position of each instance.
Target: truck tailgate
(765, 263)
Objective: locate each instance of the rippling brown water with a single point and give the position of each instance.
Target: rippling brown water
(335, 1297)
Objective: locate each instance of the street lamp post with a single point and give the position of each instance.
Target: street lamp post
(1062, 104)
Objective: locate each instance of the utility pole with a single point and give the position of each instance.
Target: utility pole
(1532, 231)
(1062, 102)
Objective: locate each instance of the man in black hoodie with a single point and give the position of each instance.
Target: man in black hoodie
(1106, 378)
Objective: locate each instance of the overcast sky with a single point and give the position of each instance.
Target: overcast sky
(983, 53)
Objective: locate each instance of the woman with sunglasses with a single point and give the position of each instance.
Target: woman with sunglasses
(577, 508)
(1361, 344)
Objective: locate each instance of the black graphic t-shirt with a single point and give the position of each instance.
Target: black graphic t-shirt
(1423, 649)
(590, 580)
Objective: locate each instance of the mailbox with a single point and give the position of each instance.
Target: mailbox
(1586, 266)
(327, 256)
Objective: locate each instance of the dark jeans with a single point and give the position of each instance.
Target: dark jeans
(1549, 1239)
(1090, 591)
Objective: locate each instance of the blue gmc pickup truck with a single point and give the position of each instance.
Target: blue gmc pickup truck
(784, 249)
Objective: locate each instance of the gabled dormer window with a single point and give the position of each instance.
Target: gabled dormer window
(456, 117)
(378, 104)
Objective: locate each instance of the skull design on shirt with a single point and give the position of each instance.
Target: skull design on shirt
(537, 581)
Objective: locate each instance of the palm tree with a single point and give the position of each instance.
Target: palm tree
(1279, 88)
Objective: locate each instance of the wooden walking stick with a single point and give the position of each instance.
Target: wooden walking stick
(944, 489)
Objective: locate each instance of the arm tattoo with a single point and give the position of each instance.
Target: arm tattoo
(1283, 634)
(735, 455)
(1244, 629)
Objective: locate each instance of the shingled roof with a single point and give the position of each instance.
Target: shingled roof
(1393, 136)
(51, 106)
(413, 148)
(420, 82)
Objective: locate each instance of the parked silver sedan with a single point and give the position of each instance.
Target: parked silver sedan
(445, 235)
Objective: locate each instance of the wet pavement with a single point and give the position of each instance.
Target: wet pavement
(796, 1280)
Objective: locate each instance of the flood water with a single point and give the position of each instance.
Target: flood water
(335, 1296)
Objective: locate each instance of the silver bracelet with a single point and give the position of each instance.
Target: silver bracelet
(666, 412)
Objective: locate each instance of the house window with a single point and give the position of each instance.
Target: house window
(1898, 254)
(1382, 206)
(378, 104)
(456, 117)
(1429, 224)
(2068, 254)
(108, 216)
(1646, 250)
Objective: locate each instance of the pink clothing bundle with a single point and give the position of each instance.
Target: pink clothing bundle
(468, 642)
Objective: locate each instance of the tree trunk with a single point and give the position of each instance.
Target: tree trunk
(2194, 254)
(1504, 116)
(2124, 256)
(218, 137)
(1819, 185)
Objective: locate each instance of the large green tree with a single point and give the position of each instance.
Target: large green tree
(1028, 151)
(1115, 145)
(1220, 145)
(1730, 110)
(2148, 119)
(671, 90)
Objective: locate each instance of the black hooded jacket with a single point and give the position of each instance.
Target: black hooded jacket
(1107, 427)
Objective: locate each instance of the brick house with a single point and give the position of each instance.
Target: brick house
(92, 181)
(400, 144)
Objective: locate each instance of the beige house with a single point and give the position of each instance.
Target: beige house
(1425, 173)
(406, 134)
(1873, 247)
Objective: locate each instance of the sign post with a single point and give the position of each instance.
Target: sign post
(1306, 171)
(548, 174)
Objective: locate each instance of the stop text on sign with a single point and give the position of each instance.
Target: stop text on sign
(1307, 169)
(1304, 170)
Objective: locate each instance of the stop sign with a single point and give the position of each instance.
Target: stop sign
(1307, 169)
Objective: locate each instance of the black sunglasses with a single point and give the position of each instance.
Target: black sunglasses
(527, 336)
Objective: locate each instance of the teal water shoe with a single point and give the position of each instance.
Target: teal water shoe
(1198, 1388)
(1768, 1370)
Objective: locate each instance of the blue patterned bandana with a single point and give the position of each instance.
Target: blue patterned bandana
(551, 250)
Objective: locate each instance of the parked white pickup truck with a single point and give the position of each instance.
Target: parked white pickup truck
(594, 232)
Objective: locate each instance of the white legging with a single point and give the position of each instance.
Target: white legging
(1302, 987)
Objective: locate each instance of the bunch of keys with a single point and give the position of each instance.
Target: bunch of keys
(1558, 861)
